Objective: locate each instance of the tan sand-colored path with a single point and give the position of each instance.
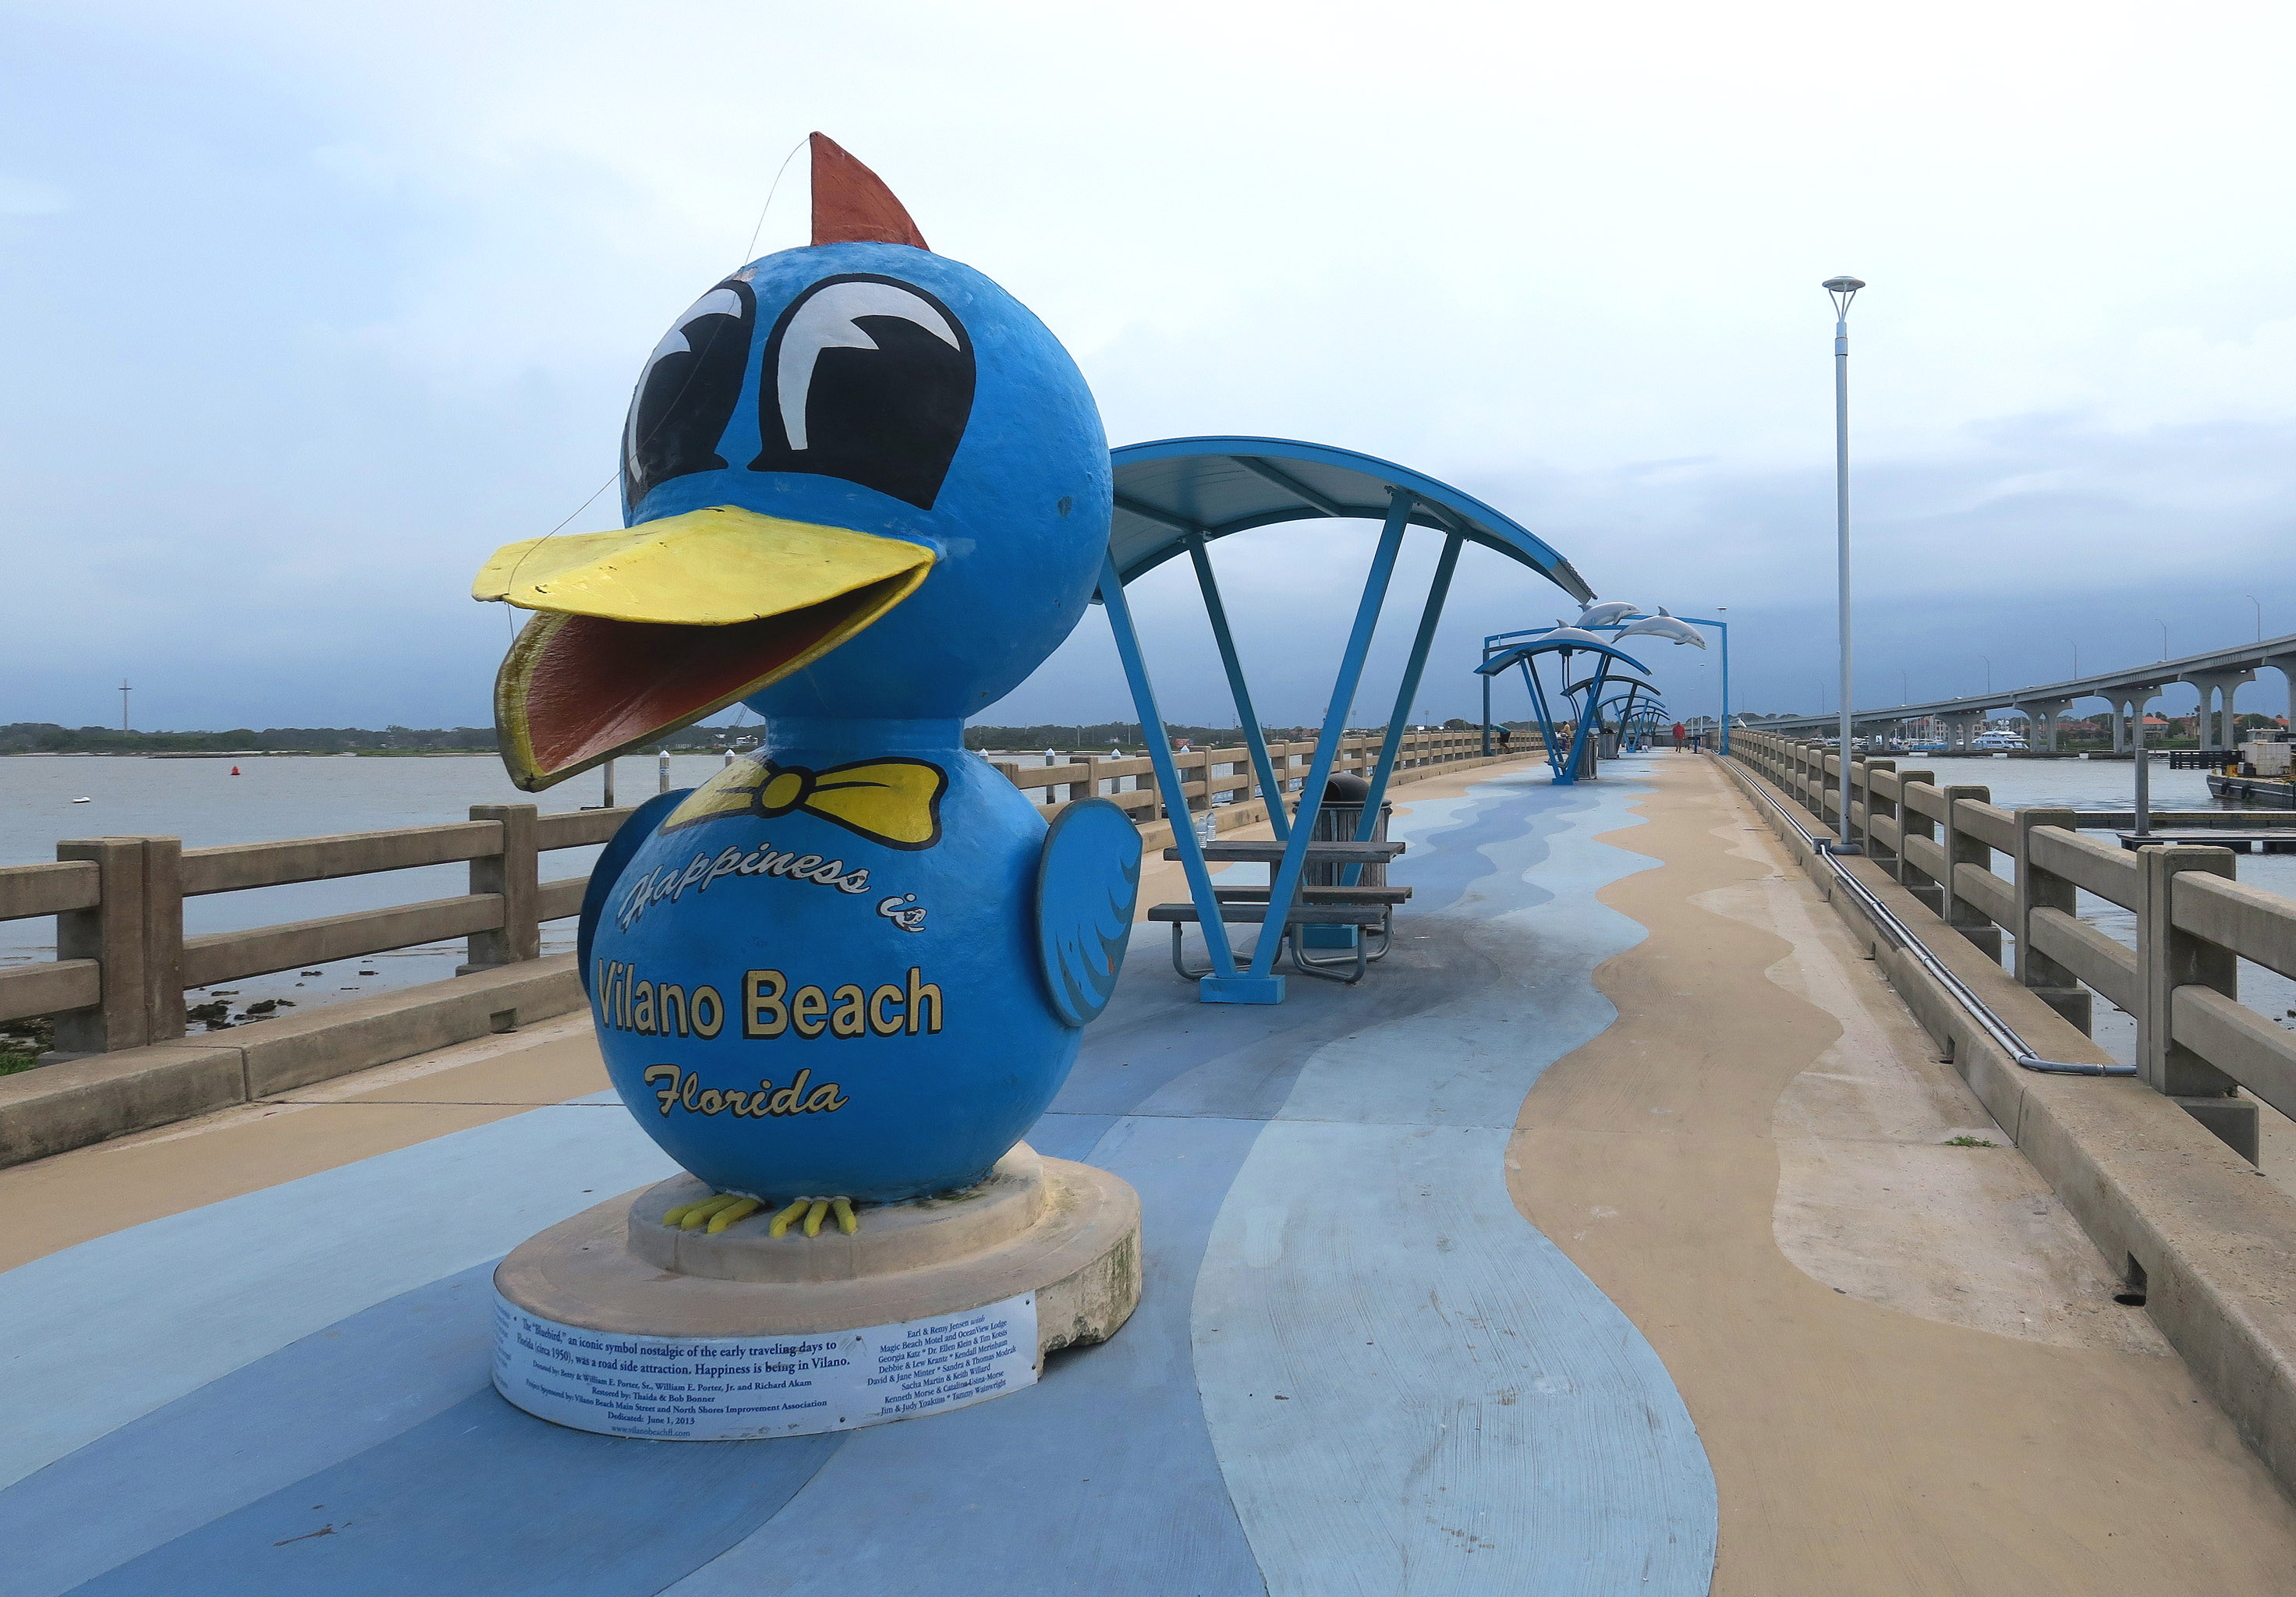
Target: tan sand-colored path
(1905, 1364)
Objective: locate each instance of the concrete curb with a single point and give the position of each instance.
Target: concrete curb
(2202, 1233)
(57, 1108)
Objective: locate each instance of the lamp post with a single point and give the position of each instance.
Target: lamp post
(1842, 291)
(2250, 597)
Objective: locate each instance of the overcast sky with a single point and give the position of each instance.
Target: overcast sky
(307, 308)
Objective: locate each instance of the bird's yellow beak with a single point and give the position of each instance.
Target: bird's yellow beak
(644, 631)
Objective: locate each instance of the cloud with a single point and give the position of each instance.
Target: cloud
(316, 305)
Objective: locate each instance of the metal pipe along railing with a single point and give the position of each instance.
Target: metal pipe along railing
(1901, 935)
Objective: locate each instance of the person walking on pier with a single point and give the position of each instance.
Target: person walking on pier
(1680, 733)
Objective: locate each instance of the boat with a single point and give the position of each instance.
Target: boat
(2252, 792)
(1991, 741)
(2262, 778)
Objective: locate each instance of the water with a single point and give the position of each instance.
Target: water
(199, 801)
(2111, 785)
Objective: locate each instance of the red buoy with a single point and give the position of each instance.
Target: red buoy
(235, 770)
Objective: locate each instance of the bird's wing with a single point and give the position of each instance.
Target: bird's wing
(612, 861)
(1087, 880)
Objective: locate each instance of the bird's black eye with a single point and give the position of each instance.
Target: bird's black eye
(869, 379)
(686, 395)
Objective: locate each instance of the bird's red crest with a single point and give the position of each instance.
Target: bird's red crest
(851, 204)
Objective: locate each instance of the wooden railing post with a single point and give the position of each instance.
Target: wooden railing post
(1894, 860)
(111, 934)
(1916, 825)
(163, 938)
(2038, 889)
(515, 874)
(2168, 958)
(1963, 849)
(1862, 790)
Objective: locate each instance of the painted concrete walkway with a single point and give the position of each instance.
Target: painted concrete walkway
(1440, 1270)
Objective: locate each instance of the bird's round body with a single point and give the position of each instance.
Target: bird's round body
(795, 1007)
(868, 493)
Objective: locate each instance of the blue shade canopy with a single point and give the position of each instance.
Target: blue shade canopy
(1506, 659)
(1615, 682)
(1167, 490)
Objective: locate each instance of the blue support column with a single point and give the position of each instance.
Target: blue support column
(1286, 885)
(1545, 717)
(1260, 764)
(1437, 590)
(1224, 982)
(1589, 716)
(1487, 705)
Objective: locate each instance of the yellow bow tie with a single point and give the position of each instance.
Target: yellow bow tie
(896, 801)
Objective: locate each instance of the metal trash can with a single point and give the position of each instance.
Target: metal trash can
(1337, 822)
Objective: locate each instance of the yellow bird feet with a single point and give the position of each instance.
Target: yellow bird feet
(713, 1214)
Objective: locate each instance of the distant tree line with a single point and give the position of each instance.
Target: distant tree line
(1071, 737)
(45, 737)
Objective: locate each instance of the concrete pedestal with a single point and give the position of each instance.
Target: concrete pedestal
(614, 1322)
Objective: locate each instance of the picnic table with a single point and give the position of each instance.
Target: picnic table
(1370, 910)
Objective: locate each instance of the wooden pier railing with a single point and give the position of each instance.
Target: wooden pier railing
(123, 962)
(2195, 1041)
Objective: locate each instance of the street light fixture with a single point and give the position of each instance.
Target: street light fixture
(1842, 291)
(2259, 615)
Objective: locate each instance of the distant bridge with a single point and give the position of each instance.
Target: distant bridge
(2217, 673)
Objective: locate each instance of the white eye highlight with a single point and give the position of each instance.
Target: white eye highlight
(716, 302)
(830, 320)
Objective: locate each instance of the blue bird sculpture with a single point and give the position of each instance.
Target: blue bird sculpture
(866, 493)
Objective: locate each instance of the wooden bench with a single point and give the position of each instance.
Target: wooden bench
(1318, 895)
(1301, 914)
(1270, 853)
(1370, 910)
(1367, 919)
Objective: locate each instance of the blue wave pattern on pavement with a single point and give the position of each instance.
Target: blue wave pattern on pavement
(372, 1456)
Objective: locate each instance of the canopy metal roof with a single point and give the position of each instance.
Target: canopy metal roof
(1506, 659)
(1213, 486)
(1615, 682)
